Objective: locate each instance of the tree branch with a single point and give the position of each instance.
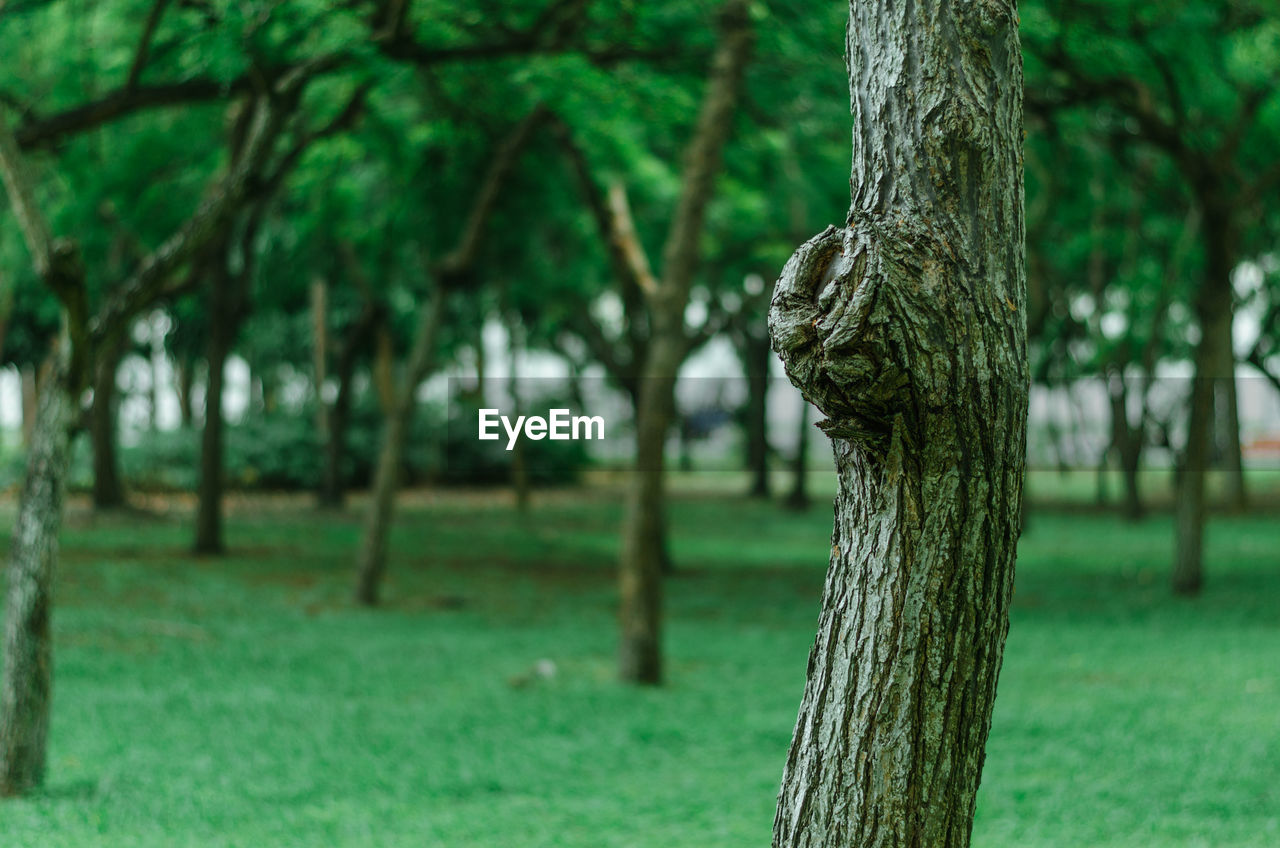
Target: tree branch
(702, 158)
(597, 201)
(144, 44)
(624, 234)
(21, 188)
(455, 265)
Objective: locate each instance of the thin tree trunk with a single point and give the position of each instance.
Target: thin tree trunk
(519, 456)
(108, 488)
(758, 355)
(320, 354)
(184, 382)
(455, 268)
(1212, 364)
(1127, 441)
(1237, 495)
(908, 330)
(372, 560)
(30, 403)
(155, 357)
(640, 567)
(333, 485)
(640, 651)
(798, 497)
(333, 488)
(209, 539)
(26, 686)
(384, 381)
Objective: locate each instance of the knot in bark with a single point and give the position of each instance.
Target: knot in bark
(832, 339)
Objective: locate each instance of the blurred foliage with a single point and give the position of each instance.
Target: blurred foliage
(1113, 225)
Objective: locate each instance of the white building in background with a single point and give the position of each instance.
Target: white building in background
(1067, 425)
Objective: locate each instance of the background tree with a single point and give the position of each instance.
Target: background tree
(1215, 129)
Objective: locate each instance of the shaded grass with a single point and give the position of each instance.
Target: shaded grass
(241, 701)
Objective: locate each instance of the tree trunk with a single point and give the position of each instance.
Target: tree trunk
(333, 486)
(108, 488)
(26, 685)
(1237, 496)
(184, 382)
(1212, 364)
(640, 566)
(332, 483)
(384, 381)
(798, 497)
(155, 357)
(644, 536)
(908, 330)
(30, 396)
(320, 354)
(756, 364)
(371, 562)
(1127, 442)
(519, 456)
(209, 492)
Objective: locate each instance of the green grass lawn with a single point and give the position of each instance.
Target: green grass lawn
(243, 702)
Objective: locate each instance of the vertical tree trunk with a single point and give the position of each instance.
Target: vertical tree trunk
(320, 354)
(332, 482)
(384, 381)
(27, 681)
(1127, 441)
(371, 563)
(108, 488)
(30, 403)
(333, 486)
(184, 382)
(155, 357)
(1212, 364)
(756, 364)
(209, 538)
(640, 567)
(644, 536)
(1237, 496)
(798, 497)
(519, 456)
(908, 330)
(452, 270)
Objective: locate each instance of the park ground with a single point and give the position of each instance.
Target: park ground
(243, 701)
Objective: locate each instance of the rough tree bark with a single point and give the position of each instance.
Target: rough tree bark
(26, 681)
(907, 329)
(28, 677)
(27, 650)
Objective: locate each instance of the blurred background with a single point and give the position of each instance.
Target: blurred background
(299, 602)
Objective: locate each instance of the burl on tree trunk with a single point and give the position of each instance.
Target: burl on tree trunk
(907, 329)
